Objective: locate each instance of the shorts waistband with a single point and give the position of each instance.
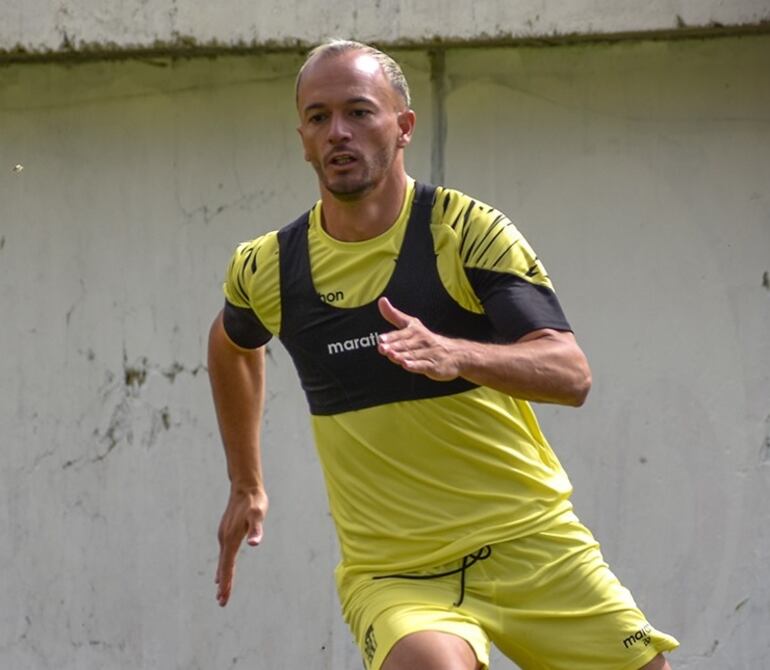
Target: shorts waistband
(468, 560)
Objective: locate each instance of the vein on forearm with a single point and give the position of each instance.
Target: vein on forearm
(550, 368)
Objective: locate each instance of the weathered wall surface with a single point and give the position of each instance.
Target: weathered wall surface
(82, 25)
(639, 172)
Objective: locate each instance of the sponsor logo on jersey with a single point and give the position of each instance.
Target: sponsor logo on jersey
(643, 635)
(332, 296)
(353, 344)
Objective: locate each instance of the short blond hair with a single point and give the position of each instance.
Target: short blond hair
(334, 47)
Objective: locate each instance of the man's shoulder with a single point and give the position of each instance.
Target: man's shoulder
(471, 219)
(252, 278)
(259, 256)
(486, 239)
(263, 245)
(458, 209)
(251, 264)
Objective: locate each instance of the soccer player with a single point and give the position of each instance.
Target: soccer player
(421, 324)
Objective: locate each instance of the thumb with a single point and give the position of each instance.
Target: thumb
(254, 534)
(391, 314)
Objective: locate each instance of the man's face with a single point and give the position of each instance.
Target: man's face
(353, 123)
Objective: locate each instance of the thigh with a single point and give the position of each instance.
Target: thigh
(431, 650)
(404, 624)
(557, 606)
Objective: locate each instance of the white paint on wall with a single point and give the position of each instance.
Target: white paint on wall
(639, 172)
(67, 25)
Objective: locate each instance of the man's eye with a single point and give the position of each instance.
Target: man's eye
(317, 118)
(360, 113)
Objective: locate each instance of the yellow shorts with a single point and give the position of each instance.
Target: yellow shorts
(547, 601)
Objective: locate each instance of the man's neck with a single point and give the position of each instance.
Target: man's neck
(367, 217)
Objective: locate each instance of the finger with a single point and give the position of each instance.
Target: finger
(423, 366)
(399, 355)
(225, 572)
(392, 315)
(224, 587)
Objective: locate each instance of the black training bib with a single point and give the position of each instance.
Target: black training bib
(335, 349)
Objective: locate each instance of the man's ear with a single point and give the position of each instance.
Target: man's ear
(406, 121)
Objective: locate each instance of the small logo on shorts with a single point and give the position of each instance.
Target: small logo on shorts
(642, 635)
(370, 644)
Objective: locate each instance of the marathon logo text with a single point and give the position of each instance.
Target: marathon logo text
(353, 344)
(642, 634)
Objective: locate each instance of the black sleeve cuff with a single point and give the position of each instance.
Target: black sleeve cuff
(515, 306)
(243, 327)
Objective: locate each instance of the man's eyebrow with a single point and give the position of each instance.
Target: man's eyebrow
(312, 106)
(350, 101)
(359, 99)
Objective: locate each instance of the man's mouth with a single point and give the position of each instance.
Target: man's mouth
(341, 160)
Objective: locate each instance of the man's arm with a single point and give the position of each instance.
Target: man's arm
(543, 366)
(237, 384)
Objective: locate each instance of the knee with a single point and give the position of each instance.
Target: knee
(431, 650)
(657, 663)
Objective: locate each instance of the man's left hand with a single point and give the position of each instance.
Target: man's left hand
(417, 349)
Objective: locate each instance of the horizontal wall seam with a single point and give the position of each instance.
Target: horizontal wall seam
(188, 47)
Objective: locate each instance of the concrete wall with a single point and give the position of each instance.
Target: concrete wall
(43, 26)
(639, 171)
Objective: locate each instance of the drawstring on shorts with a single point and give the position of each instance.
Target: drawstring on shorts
(481, 555)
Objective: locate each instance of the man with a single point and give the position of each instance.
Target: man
(421, 323)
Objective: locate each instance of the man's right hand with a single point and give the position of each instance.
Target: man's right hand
(238, 386)
(243, 517)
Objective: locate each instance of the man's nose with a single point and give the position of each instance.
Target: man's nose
(339, 129)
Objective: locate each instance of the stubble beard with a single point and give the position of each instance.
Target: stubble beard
(352, 188)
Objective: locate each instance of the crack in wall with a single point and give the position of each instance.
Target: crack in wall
(78, 301)
(136, 375)
(764, 450)
(132, 420)
(209, 214)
